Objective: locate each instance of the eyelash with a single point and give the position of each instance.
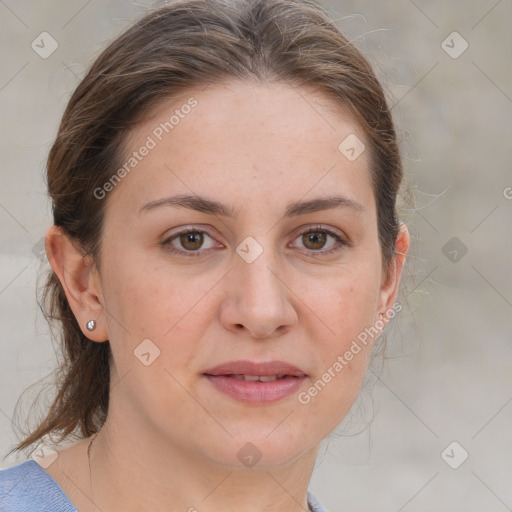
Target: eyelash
(340, 242)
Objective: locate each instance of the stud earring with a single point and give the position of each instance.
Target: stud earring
(91, 325)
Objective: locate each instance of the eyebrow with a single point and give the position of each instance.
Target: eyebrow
(209, 206)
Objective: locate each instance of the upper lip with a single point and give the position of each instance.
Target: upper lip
(253, 368)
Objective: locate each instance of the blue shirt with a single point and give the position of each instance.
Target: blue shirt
(27, 487)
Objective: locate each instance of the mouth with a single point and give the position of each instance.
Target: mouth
(256, 383)
(259, 378)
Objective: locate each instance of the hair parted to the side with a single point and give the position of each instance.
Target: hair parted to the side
(185, 44)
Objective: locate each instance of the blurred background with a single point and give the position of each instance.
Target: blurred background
(432, 429)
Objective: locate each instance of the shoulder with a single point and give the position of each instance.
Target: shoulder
(28, 487)
(314, 504)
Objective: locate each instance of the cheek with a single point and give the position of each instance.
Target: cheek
(149, 298)
(347, 308)
(167, 307)
(153, 320)
(346, 305)
(352, 318)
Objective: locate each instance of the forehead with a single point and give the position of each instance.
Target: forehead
(245, 143)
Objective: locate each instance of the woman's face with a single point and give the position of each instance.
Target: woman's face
(248, 284)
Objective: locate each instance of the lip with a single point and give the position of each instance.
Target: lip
(253, 368)
(222, 377)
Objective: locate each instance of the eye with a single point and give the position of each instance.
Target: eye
(315, 238)
(189, 242)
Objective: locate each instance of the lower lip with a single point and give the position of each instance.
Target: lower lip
(256, 392)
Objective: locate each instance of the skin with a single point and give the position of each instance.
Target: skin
(171, 439)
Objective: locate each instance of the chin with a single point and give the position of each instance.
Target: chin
(265, 448)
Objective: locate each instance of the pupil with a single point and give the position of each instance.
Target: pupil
(317, 238)
(192, 240)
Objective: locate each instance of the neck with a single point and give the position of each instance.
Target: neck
(130, 471)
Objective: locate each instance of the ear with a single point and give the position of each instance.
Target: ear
(80, 280)
(391, 280)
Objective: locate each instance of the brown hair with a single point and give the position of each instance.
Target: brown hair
(174, 48)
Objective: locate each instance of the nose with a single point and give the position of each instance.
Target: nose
(259, 299)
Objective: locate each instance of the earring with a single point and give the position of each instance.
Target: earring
(91, 325)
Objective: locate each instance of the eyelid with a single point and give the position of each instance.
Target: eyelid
(188, 228)
(308, 228)
(166, 242)
(341, 240)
